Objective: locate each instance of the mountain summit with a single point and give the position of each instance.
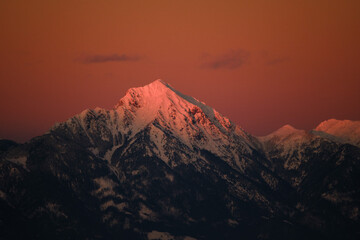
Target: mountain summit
(163, 165)
(163, 112)
(160, 102)
(346, 130)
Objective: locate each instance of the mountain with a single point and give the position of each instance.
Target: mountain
(325, 173)
(163, 165)
(346, 131)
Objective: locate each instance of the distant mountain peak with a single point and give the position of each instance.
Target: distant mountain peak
(336, 125)
(346, 130)
(286, 136)
(285, 131)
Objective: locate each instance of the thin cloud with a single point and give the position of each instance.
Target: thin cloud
(230, 60)
(276, 61)
(109, 58)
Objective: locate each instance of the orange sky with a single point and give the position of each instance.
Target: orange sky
(261, 63)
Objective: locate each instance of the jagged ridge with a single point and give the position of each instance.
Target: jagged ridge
(161, 161)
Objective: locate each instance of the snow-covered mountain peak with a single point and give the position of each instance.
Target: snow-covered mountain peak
(157, 92)
(287, 137)
(334, 125)
(156, 87)
(158, 100)
(153, 92)
(289, 142)
(348, 131)
(285, 132)
(164, 115)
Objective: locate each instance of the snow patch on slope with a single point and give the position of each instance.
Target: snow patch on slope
(158, 138)
(2, 195)
(19, 161)
(110, 203)
(108, 155)
(105, 187)
(156, 235)
(146, 213)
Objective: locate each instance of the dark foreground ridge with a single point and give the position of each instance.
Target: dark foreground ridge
(162, 165)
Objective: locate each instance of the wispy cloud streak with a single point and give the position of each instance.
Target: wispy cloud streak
(230, 60)
(109, 58)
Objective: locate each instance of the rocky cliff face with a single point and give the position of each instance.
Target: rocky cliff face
(164, 165)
